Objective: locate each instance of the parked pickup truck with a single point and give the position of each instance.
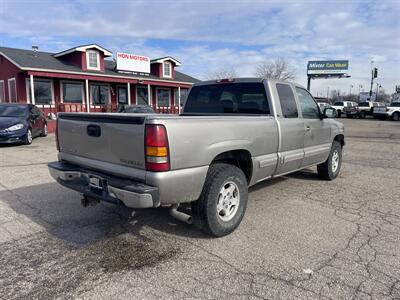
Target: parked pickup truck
(231, 135)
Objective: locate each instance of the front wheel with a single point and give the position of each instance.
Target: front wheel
(330, 169)
(396, 116)
(28, 137)
(361, 115)
(223, 201)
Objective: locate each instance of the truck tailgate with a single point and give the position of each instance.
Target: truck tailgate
(115, 138)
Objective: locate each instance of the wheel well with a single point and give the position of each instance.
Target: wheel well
(239, 158)
(340, 139)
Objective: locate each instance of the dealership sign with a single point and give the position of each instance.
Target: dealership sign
(133, 63)
(327, 67)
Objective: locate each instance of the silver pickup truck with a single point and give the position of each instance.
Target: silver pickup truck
(231, 135)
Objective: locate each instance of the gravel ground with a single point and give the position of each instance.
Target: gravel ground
(301, 237)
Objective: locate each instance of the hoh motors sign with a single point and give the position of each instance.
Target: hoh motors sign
(133, 63)
(327, 67)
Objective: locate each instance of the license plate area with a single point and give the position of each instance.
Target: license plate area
(96, 184)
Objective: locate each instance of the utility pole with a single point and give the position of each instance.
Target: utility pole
(359, 91)
(351, 86)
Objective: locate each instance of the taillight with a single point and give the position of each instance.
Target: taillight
(56, 133)
(225, 80)
(156, 148)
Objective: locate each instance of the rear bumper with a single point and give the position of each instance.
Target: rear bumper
(105, 187)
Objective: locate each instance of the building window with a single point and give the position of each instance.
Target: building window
(184, 93)
(163, 97)
(100, 94)
(2, 92)
(142, 95)
(72, 92)
(43, 90)
(167, 69)
(122, 95)
(12, 90)
(93, 60)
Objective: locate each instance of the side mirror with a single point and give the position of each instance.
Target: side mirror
(330, 112)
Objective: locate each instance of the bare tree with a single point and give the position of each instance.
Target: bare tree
(275, 69)
(222, 74)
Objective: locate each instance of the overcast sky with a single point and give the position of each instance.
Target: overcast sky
(210, 35)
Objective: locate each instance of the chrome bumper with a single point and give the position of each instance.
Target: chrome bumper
(105, 187)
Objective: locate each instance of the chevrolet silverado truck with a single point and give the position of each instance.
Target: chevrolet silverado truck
(232, 134)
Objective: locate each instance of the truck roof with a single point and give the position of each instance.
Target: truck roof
(244, 79)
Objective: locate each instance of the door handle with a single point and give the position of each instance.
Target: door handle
(308, 128)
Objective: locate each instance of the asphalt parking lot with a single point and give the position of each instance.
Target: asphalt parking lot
(301, 237)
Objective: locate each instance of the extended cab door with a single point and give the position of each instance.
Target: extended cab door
(317, 139)
(291, 130)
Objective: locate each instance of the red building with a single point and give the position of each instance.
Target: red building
(82, 79)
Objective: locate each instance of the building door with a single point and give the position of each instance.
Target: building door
(122, 95)
(142, 95)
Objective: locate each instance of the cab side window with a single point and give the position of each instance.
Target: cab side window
(287, 100)
(309, 107)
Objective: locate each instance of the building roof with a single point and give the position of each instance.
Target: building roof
(165, 58)
(83, 48)
(38, 61)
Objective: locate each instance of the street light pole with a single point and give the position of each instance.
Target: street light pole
(372, 78)
(351, 86)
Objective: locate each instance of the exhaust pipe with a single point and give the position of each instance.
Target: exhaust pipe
(180, 215)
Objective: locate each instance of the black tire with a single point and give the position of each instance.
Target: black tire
(396, 116)
(326, 170)
(339, 113)
(361, 115)
(28, 137)
(44, 131)
(205, 212)
(349, 116)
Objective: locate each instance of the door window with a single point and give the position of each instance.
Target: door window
(309, 107)
(288, 102)
(100, 94)
(122, 93)
(163, 96)
(142, 95)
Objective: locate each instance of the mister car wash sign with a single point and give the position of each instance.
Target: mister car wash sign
(327, 67)
(133, 63)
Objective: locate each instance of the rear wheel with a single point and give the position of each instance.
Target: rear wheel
(396, 116)
(223, 201)
(330, 169)
(28, 137)
(362, 115)
(44, 130)
(339, 113)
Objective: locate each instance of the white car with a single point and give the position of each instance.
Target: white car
(340, 105)
(392, 111)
